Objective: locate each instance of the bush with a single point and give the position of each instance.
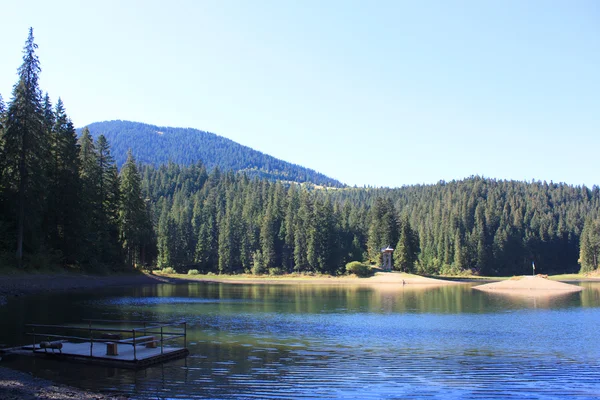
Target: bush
(167, 270)
(359, 269)
(275, 271)
(193, 272)
(257, 264)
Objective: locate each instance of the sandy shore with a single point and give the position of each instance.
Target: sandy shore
(379, 279)
(17, 385)
(529, 285)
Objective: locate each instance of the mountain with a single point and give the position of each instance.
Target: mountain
(156, 145)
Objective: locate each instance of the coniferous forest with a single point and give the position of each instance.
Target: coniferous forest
(65, 202)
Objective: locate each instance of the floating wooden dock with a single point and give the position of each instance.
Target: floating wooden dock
(106, 342)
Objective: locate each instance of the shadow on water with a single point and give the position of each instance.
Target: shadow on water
(337, 341)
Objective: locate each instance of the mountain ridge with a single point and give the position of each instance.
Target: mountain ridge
(156, 145)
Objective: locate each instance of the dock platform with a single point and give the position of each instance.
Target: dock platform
(109, 343)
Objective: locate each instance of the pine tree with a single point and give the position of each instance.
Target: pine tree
(133, 216)
(589, 254)
(459, 257)
(383, 230)
(407, 249)
(225, 244)
(293, 203)
(105, 162)
(25, 152)
(89, 175)
(65, 185)
(320, 238)
(163, 238)
(50, 225)
(301, 233)
(109, 197)
(113, 253)
(206, 246)
(267, 239)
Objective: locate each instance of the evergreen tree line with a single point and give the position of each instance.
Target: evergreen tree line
(494, 227)
(229, 223)
(62, 199)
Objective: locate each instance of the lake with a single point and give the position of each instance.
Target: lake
(301, 341)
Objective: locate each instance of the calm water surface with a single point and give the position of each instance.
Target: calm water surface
(277, 341)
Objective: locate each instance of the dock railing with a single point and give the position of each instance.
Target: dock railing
(148, 333)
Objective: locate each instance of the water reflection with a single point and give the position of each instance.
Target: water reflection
(357, 298)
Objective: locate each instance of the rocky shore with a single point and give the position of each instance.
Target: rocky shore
(17, 385)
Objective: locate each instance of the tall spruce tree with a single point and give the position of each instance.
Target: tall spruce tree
(164, 233)
(407, 249)
(133, 215)
(25, 153)
(301, 233)
(589, 253)
(383, 230)
(89, 174)
(268, 235)
(109, 197)
(65, 186)
(293, 203)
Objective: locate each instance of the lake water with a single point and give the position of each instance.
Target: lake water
(298, 341)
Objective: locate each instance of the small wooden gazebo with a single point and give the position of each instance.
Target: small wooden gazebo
(386, 258)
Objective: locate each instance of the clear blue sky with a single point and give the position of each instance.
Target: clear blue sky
(383, 93)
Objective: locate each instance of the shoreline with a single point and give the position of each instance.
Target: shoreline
(384, 279)
(16, 285)
(29, 284)
(18, 385)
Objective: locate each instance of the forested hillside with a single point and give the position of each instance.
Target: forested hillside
(158, 145)
(229, 223)
(63, 201)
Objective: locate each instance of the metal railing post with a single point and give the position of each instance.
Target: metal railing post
(184, 334)
(161, 340)
(134, 351)
(91, 339)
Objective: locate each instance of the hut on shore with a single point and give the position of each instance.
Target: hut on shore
(386, 258)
